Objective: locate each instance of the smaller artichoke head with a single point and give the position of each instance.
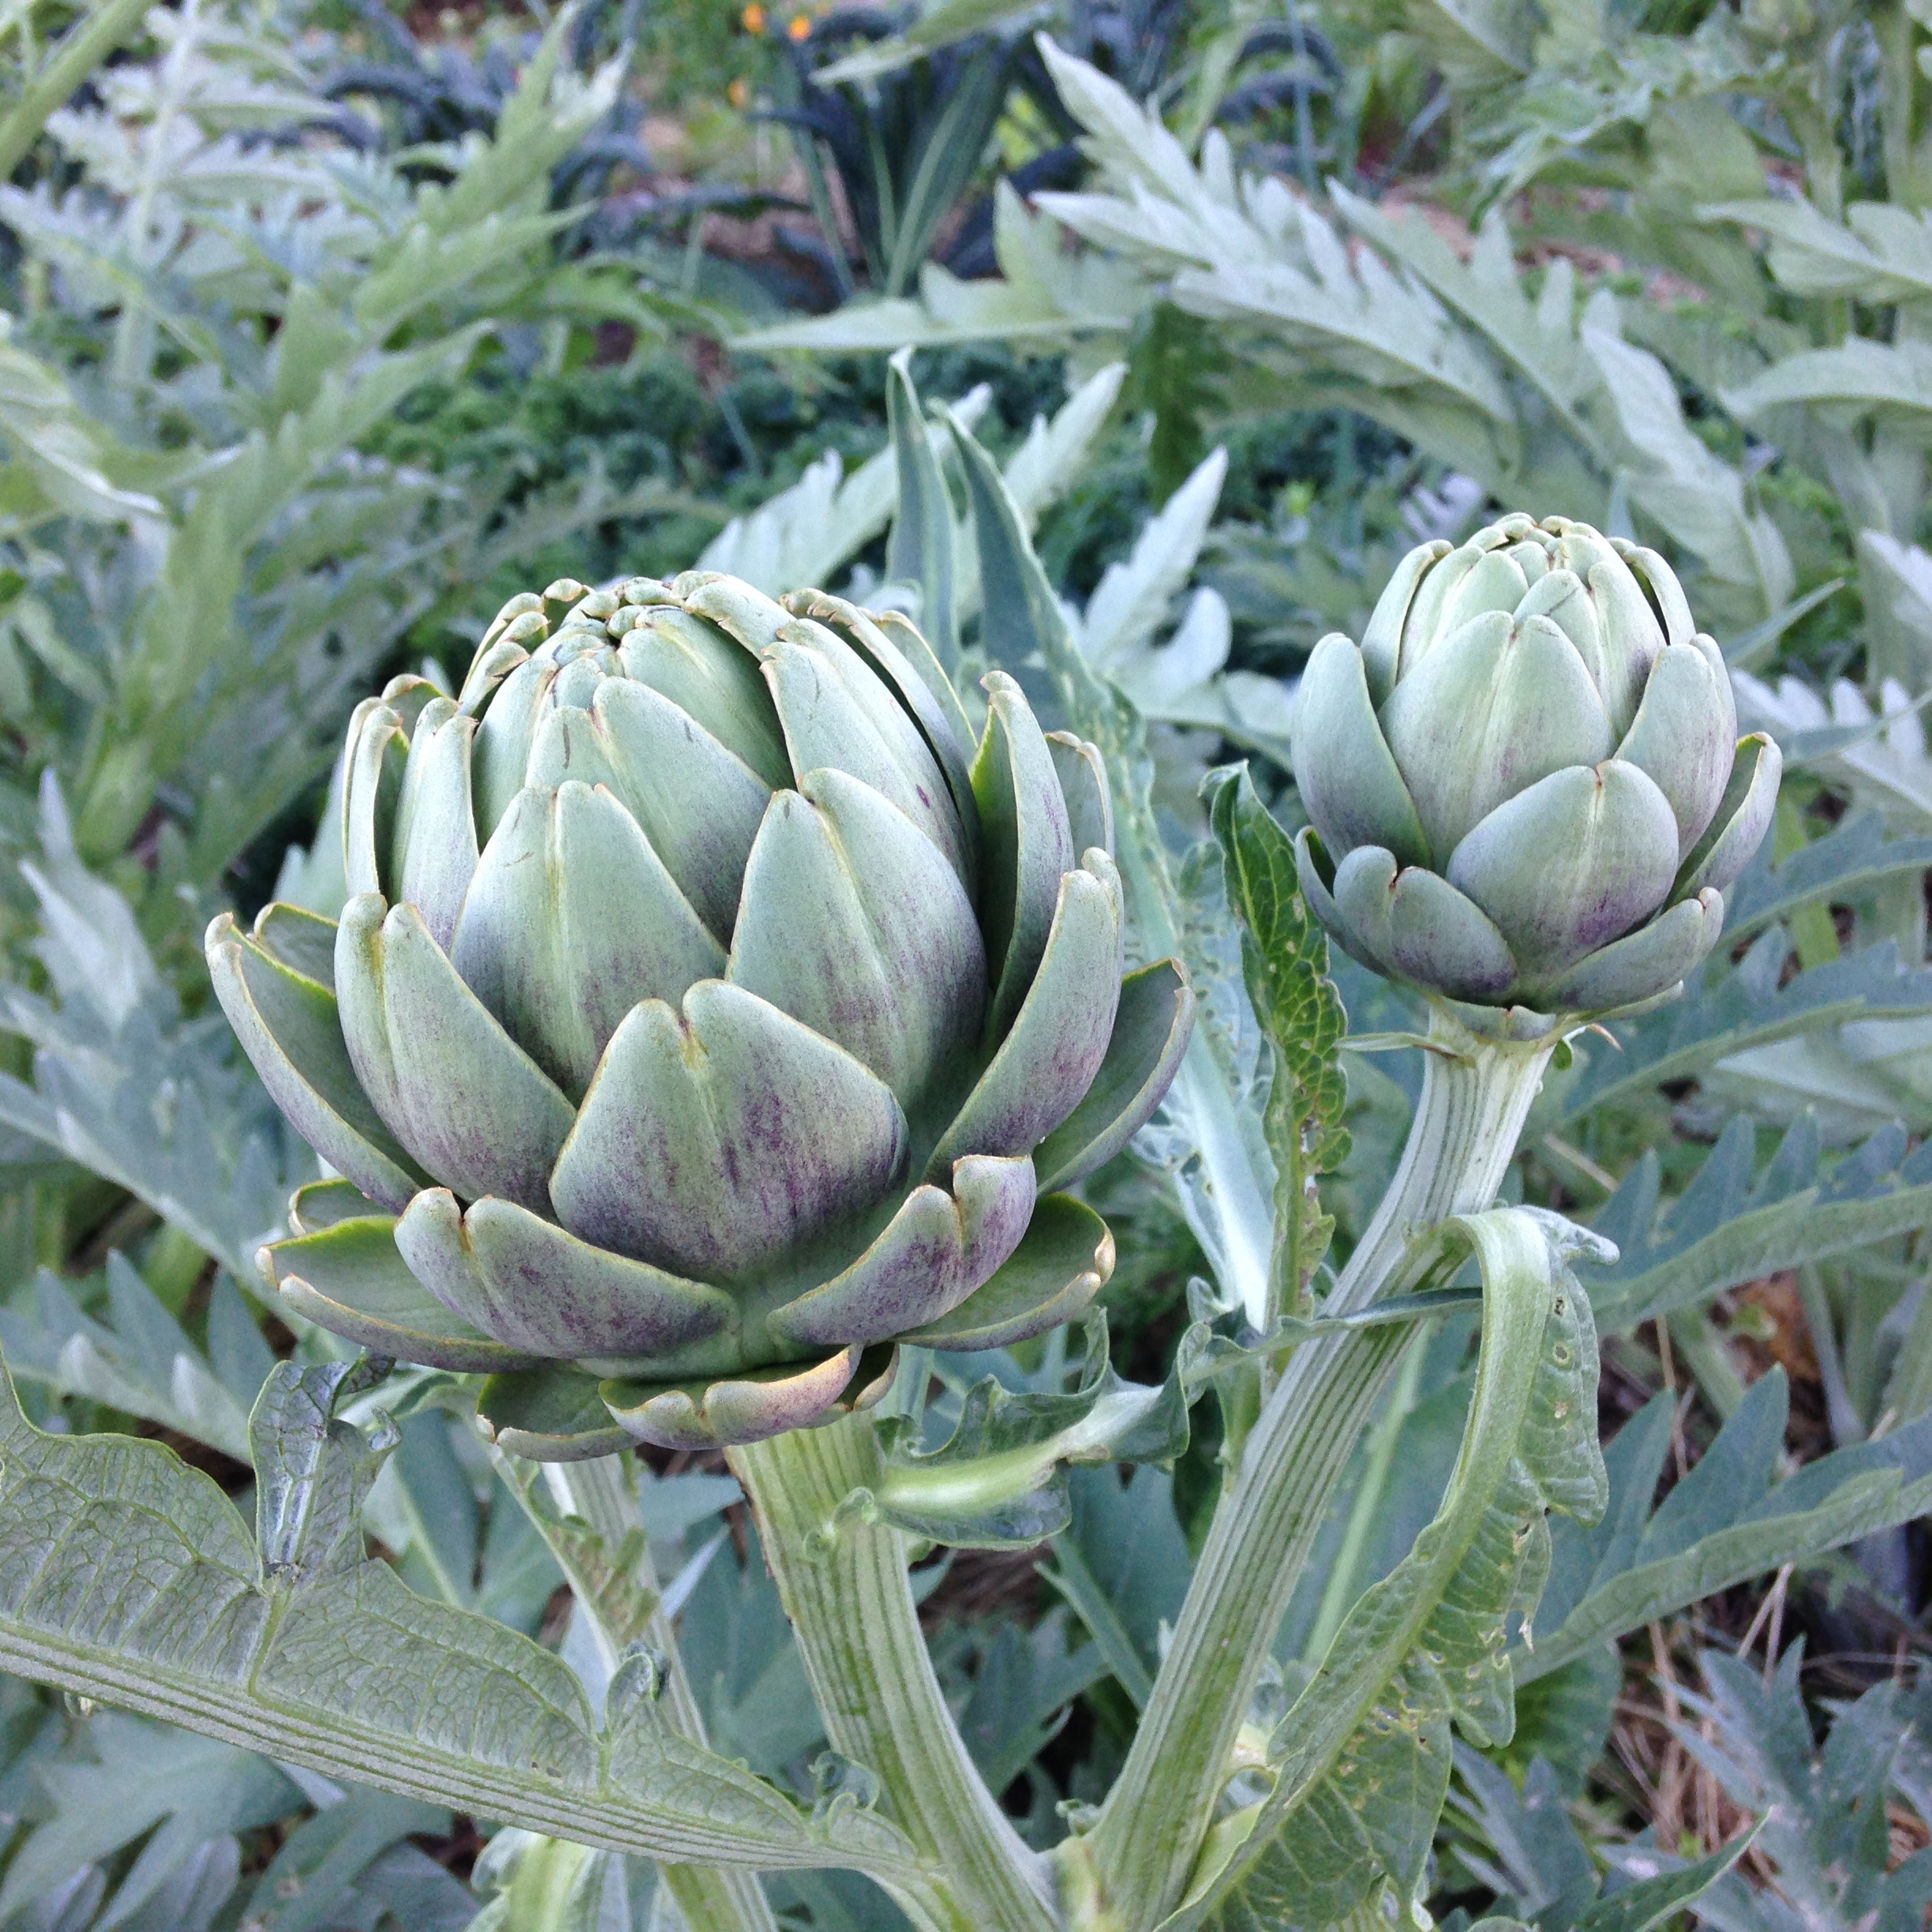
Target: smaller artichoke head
(708, 1012)
(1525, 783)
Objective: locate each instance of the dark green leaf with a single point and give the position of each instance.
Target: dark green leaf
(1175, 369)
(1285, 961)
(919, 550)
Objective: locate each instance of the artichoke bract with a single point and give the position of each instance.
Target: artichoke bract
(707, 1008)
(1525, 783)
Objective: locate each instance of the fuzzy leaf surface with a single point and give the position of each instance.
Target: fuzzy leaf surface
(306, 1654)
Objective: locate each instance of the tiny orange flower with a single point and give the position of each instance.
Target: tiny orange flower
(739, 92)
(752, 19)
(800, 27)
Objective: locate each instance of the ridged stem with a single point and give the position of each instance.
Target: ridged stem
(710, 1898)
(1477, 1088)
(843, 1585)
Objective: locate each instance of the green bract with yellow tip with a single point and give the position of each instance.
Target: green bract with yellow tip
(708, 1009)
(1525, 783)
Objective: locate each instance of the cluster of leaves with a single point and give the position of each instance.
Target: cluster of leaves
(283, 400)
(1694, 359)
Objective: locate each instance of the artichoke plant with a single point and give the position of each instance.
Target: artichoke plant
(1525, 783)
(707, 1009)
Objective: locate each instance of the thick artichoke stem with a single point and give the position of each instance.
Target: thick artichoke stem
(710, 1898)
(1476, 1090)
(843, 1585)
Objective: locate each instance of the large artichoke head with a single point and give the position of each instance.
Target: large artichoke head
(707, 1008)
(1525, 782)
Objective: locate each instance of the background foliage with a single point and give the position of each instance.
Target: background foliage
(327, 327)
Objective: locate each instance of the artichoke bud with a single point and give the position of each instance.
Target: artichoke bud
(1525, 786)
(710, 1010)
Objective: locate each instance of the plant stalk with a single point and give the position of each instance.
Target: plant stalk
(85, 46)
(843, 1582)
(1364, 1509)
(710, 1898)
(1477, 1088)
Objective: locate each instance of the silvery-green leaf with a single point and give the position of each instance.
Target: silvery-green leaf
(999, 1481)
(1853, 856)
(1732, 1224)
(1209, 1131)
(1752, 1004)
(1362, 1759)
(1740, 1521)
(337, 1680)
(312, 1471)
(1285, 969)
(1312, 862)
(352, 1858)
(1122, 1564)
(137, 1358)
(137, 1779)
(919, 549)
(1131, 599)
